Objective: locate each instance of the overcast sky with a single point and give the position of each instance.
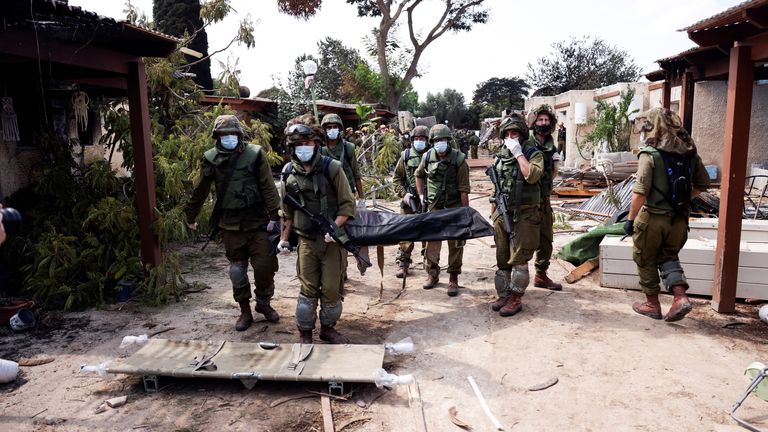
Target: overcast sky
(517, 33)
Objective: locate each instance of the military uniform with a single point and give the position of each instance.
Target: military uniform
(248, 200)
(446, 180)
(324, 190)
(512, 276)
(474, 142)
(660, 228)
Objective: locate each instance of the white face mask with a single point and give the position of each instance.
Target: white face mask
(305, 153)
(419, 145)
(441, 146)
(228, 142)
(332, 133)
(511, 143)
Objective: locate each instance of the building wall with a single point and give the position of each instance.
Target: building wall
(709, 102)
(16, 167)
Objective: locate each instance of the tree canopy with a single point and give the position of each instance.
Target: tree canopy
(501, 93)
(180, 18)
(446, 105)
(580, 64)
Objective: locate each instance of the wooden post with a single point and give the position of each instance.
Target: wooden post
(143, 170)
(737, 118)
(666, 94)
(686, 101)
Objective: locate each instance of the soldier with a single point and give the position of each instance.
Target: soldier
(669, 173)
(542, 121)
(405, 185)
(343, 151)
(519, 165)
(248, 203)
(474, 142)
(319, 183)
(442, 178)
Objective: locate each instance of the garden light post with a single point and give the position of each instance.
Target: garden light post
(310, 68)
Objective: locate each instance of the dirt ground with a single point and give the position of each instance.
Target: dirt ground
(616, 370)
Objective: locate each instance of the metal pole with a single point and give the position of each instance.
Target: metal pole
(314, 102)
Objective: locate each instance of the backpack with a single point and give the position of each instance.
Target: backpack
(679, 173)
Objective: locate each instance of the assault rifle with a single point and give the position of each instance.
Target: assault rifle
(502, 202)
(412, 203)
(326, 227)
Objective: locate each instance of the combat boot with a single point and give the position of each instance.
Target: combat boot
(402, 271)
(246, 317)
(541, 280)
(650, 307)
(330, 335)
(432, 279)
(305, 336)
(263, 307)
(513, 305)
(680, 306)
(453, 285)
(499, 303)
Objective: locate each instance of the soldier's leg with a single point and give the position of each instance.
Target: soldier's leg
(503, 275)
(432, 263)
(236, 250)
(308, 269)
(455, 257)
(647, 239)
(473, 150)
(525, 244)
(332, 293)
(544, 252)
(672, 271)
(404, 251)
(265, 265)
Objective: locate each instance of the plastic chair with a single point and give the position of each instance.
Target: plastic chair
(758, 386)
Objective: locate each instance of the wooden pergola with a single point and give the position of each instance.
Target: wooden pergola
(732, 46)
(67, 43)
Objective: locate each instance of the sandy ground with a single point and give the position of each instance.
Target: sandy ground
(616, 370)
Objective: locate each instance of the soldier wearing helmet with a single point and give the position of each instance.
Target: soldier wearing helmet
(248, 204)
(669, 174)
(405, 185)
(518, 166)
(474, 142)
(542, 122)
(319, 183)
(343, 151)
(442, 179)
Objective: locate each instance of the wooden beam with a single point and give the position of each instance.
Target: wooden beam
(686, 100)
(607, 95)
(325, 407)
(655, 86)
(143, 170)
(724, 34)
(737, 118)
(562, 105)
(757, 16)
(666, 95)
(115, 83)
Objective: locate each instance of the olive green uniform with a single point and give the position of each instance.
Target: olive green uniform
(474, 142)
(546, 234)
(249, 202)
(405, 174)
(526, 223)
(344, 152)
(445, 180)
(659, 232)
(319, 265)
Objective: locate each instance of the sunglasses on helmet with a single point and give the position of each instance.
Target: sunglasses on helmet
(299, 128)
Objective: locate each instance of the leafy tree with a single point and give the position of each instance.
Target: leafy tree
(446, 105)
(303, 9)
(336, 61)
(580, 64)
(182, 18)
(501, 93)
(457, 16)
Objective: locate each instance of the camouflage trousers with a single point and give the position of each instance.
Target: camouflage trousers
(657, 239)
(319, 266)
(254, 246)
(546, 237)
(526, 241)
(406, 247)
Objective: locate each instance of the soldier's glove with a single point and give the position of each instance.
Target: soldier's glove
(629, 227)
(328, 238)
(284, 247)
(407, 199)
(272, 226)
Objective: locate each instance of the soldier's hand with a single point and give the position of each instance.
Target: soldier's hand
(329, 239)
(629, 227)
(284, 247)
(272, 226)
(407, 199)
(192, 226)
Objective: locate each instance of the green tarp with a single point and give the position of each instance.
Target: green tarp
(587, 246)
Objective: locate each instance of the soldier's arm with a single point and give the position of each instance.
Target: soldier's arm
(399, 177)
(535, 167)
(268, 189)
(462, 180)
(200, 193)
(421, 174)
(344, 197)
(286, 216)
(700, 178)
(642, 186)
(356, 172)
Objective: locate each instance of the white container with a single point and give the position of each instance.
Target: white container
(8, 371)
(580, 113)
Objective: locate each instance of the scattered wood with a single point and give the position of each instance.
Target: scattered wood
(288, 399)
(582, 270)
(452, 411)
(352, 421)
(162, 331)
(545, 385)
(24, 361)
(342, 398)
(44, 410)
(117, 402)
(325, 404)
(484, 404)
(414, 401)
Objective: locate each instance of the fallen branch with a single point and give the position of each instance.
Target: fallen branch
(457, 421)
(288, 399)
(353, 421)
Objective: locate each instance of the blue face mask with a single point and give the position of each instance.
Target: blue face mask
(419, 145)
(305, 153)
(332, 133)
(228, 142)
(441, 146)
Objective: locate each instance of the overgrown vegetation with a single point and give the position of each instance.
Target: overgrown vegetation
(611, 125)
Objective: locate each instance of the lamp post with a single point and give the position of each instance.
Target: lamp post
(310, 68)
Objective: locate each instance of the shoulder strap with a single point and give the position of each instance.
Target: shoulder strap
(326, 170)
(407, 155)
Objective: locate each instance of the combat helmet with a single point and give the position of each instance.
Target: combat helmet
(303, 128)
(514, 122)
(420, 131)
(227, 124)
(332, 119)
(439, 131)
(542, 109)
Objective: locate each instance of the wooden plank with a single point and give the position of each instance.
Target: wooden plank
(737, 121)
(666, 95)
(325, 404)
(415, 401)
(695, 251)
(582, 270)
(686, 101)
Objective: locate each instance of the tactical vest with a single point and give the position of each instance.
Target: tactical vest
(442, 178)
(547, 149)
(508, 168)
(656, 197)
(343, 152)
(411, 160)
(315, 191)
(243, 189)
